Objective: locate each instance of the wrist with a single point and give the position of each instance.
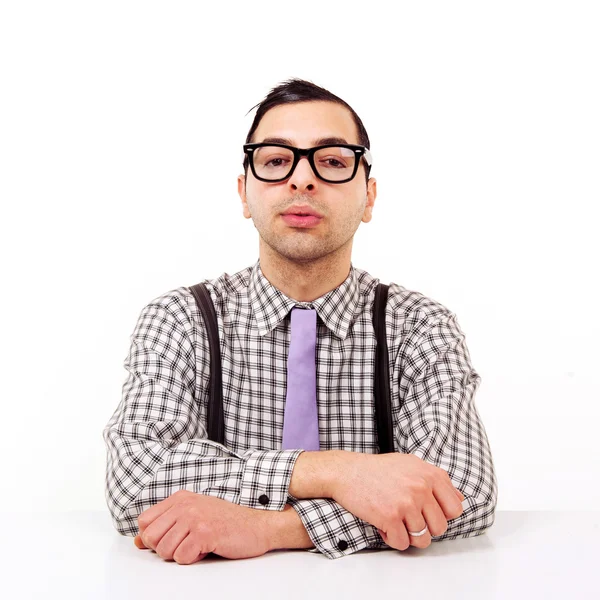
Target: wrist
(315, 473)
(269, 524)
(286, 530)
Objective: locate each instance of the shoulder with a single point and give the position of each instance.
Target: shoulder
(407, 310)
(180, 304)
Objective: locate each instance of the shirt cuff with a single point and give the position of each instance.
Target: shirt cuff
(266, 478)
(333, 530)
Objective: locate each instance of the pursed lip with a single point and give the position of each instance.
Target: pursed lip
(302, 210)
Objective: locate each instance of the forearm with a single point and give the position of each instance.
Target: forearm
(313, 518)
(313, 477)
(287, 530)
(315, 473)
(316, 519)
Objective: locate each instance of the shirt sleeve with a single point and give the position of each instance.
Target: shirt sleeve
(156, 439)
(440, 424)
(334, 531)
(444, 428)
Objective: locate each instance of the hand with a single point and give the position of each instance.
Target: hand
(397, 493)
(186, 526)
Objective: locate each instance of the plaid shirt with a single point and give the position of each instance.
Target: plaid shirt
(157, 437)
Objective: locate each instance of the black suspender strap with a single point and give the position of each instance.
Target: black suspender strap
(383, 414)
(383, 405)
(216, 423)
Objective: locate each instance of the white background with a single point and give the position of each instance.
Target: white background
(121, 127)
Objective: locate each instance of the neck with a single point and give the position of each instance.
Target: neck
(305, 281)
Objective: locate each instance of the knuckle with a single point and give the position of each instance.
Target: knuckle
(443, 474)
(396, 540)
(182, 556)
(420, 486)
(200, 530)
(164, 552)
(180, 559)
(408, 505)
(401, 510)
(149, 540)
(401, 545)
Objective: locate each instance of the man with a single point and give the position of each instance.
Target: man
(285, 477)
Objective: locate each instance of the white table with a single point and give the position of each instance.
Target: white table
(524, 555)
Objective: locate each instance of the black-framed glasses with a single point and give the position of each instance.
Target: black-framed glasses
(334, 163)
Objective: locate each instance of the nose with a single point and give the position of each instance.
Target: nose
(303, 176)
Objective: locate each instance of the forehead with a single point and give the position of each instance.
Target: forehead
(305, 124)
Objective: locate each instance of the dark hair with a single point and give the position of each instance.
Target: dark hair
(298, 90)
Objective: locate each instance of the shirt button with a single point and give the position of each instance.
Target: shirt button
(264, 499)
(342, 545)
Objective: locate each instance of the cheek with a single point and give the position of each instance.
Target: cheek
(268, 204)
(351, 208)
(257, 208)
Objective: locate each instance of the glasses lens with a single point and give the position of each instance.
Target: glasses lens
(273, 162)
(332, 163)
(335, 163)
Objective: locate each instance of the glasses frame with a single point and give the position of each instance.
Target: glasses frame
(359, 151)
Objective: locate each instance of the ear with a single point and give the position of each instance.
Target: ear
(242, 192)
(371, 195)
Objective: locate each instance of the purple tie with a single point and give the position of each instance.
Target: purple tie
(301, 421)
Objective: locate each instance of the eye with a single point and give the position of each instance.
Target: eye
(275, 162)
(334, 163)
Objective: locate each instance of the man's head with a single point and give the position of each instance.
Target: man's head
(301, 114)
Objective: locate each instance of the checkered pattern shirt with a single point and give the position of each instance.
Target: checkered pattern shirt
(157, 442)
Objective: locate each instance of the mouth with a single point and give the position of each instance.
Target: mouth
(301, 221)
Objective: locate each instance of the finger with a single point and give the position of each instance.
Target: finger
(190, 550)
(397, 537)
(153, 534)
(152, 513)
(435, 518)
(171, 540)
(448, 500)
(459, 494)
(417, 523)
(138, 542)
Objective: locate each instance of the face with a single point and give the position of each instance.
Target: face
(342, 206)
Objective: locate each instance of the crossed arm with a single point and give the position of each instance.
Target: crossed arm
(187, 526)
(158, 448)
(231, 530)
(313, 474)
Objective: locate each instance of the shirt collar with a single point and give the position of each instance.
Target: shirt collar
(270, 305)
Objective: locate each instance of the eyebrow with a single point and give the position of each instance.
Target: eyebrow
(319, 142)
